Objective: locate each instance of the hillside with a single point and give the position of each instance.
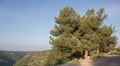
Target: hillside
(8, 58)
(32, 59)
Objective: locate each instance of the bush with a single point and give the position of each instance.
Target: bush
(53, 59)
(118, 51)
(97, 56)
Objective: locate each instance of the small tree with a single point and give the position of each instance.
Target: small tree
(75, 35)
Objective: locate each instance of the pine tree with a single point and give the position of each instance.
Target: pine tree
(76, 36)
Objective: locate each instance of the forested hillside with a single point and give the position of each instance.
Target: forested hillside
(8, 58)
(32, 59)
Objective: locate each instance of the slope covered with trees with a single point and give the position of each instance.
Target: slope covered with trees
(8, 58)
(32, 59)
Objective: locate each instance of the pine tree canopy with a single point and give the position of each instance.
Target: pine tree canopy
(73, 34)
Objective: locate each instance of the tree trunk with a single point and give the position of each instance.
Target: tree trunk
(97, 51)
(86, 54)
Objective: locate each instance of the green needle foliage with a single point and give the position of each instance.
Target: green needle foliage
(74, 34)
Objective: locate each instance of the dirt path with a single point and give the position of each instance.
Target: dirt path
(86, 62)
(107, 61)
(104, 61)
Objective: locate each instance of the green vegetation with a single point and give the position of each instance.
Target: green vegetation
(116, 51)
(76, 36)
(8, 58)
(1, 60)
(32, 59)
(52, 59)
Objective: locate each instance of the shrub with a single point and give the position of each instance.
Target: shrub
(97, 56)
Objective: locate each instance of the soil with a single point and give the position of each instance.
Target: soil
(86, 62)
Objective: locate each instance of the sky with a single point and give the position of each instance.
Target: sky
(25, 24)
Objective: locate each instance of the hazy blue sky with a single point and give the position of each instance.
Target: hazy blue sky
(25, 24)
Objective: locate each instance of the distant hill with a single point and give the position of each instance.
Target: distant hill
(8, 58)
(32, 59)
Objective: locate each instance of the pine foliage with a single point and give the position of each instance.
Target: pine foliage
(73, 34)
